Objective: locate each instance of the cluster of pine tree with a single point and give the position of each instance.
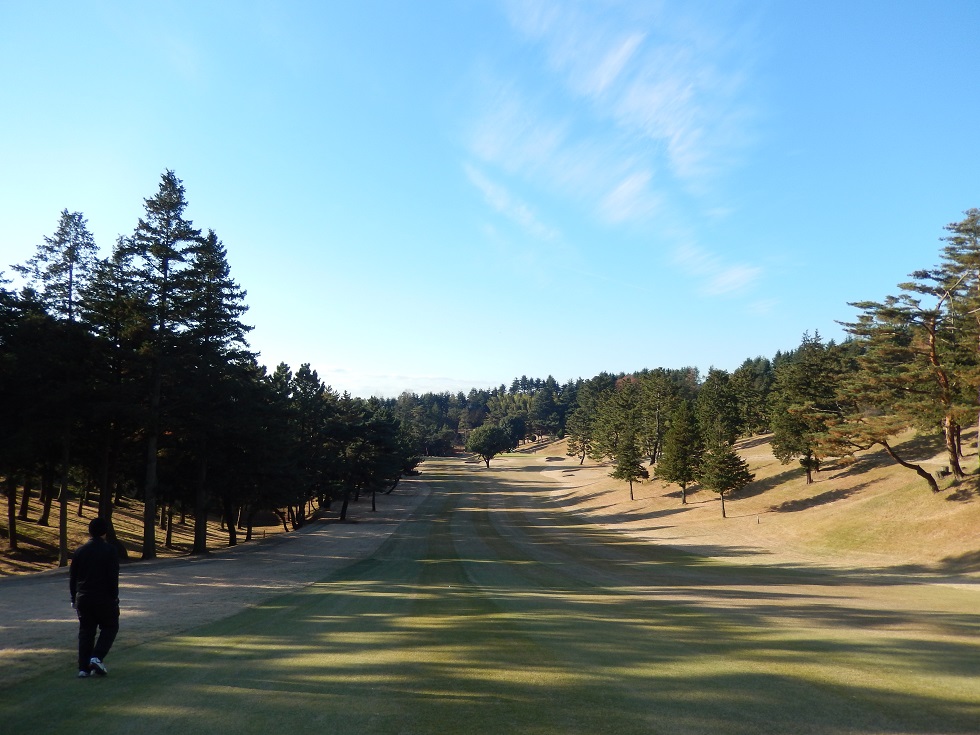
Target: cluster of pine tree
(131, 376)
(911, 361)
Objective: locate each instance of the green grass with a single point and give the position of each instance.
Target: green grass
(491, 613)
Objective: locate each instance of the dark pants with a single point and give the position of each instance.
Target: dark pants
(101, 615)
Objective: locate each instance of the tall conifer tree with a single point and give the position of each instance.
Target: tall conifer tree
(160, 246)
(683, 447)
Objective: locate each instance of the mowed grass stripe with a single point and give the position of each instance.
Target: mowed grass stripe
(807, 649)
(489, 613)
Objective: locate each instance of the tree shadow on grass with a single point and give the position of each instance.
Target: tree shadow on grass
(960, 564)
(966, 490)
(757, 487)
(792, 506)
(754, 441)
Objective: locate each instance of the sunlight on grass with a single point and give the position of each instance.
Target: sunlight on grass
(492, 614)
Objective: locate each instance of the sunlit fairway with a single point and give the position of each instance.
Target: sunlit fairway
(492, 612)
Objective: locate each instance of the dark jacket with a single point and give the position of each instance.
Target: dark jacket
(94, 573)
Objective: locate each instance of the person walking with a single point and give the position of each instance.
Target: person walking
(93, 580)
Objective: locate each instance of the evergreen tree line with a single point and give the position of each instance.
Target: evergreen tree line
(911, 361)
(130, 377)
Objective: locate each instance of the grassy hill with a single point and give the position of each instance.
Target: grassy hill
(868, 512)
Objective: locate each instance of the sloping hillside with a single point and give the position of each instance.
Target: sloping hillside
(869, 513)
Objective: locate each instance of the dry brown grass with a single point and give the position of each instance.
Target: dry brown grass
(869, 513)
(38, 545)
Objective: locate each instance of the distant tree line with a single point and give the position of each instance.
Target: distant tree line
(911, 361)
(130, 376)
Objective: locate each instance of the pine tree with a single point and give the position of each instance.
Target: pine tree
(62, 265)
(752, 383)
(803, 403)
(723, 471)
(618, 419)
(659, 400)
(961, 272)
(717, 409)
(212, 342)
(629, 461)
(681, 458)
(113, 309)
(910, 373)
(580, 428)
(55, 274)
(160, 247)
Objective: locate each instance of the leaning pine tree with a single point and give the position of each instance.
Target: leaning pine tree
(723, 471)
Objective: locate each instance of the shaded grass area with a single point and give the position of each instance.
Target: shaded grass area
(491, 613)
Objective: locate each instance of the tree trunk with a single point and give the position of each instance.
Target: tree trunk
(249, 521)
(11, 492)
(201, 510)
(282, 518)
(343, 506)
(82, 499)
(63, 502)
(150, 498)
(933, 485)
(950, 429)
(25, 498)
(169, 543)
(229, 514)
(152, 481)
(722, 496)
(47, 494)
(631, 490)
(684, 493)
(107, 474)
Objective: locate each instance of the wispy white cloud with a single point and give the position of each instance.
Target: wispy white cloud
(501, 200)
(631, 199)
(637, 113)
(659, 73)
(763, 307)
(718, 277)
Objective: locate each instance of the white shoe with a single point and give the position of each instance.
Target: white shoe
(83, 675)
(95, 666)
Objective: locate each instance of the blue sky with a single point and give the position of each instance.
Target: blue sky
(431, 195)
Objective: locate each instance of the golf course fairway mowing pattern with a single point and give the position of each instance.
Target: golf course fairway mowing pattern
(491, 611)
